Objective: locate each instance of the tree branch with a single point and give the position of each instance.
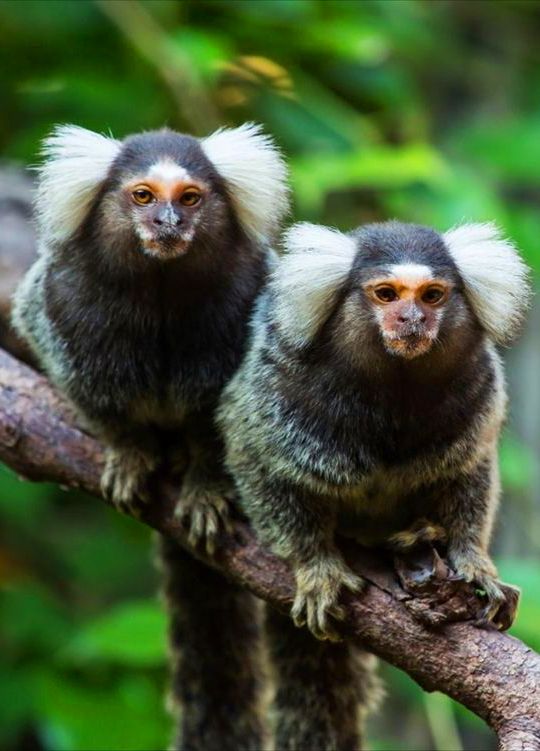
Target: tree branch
(493, 674)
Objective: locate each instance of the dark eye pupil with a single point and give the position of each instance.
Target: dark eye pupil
(386, 294)
(433, 295)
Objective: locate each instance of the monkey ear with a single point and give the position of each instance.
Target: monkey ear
(496, 278)
(255, 174)
(76, 163)
(308, 278)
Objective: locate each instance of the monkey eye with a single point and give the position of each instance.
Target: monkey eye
(142, 196)
(386, 294)
(190, 198)
(433, 295)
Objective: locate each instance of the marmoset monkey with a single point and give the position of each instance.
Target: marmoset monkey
(152, 251)
(369, 404)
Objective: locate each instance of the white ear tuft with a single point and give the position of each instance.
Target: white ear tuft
(317, 263)
(76, 163)
(495, 277)
(255, 173)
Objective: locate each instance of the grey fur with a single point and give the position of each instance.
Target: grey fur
(140, 322)
(332, 434)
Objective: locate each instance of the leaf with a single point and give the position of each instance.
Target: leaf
(128, 715)
(32, 620)
(315, 176)
(131, 634)
(517, 463)
(524, 574)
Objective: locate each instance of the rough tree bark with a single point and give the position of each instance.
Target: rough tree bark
(491, 673)
(404, 616)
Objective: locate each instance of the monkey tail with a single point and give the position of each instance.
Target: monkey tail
(323, 690)
(216, 657)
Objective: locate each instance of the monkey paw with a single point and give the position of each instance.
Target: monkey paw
(205, 513)
(477, 568)
(124, 477)
(318, 586)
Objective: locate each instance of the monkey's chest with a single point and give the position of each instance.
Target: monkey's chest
(386, 501)
(166, 411)
(147, 375)
(379, 494)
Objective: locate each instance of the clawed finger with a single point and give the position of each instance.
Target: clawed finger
(314, 613)
(338, 612)
(495, 599)
(204, 520)
(298, 612)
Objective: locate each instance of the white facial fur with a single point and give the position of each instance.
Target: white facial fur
(255, 173)
(77, 162)
(168, 171)
(412, 273)
(495, 277)
(317, 262)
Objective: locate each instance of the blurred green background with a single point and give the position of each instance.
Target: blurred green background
(426, 111)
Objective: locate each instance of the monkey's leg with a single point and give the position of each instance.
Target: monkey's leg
(467, 508)
(323, 689)
(300, 527)
(206, 489)
(217, 668)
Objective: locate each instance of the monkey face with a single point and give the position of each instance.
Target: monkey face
(398, 289)
(408, 304)
(165, 198)
(167, 205)
(162, 194)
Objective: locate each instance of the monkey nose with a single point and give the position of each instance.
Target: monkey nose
(411, 316)
(407, 318)
(169, 221)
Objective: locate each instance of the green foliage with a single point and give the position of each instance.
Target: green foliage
(426, 111)
(524, 573)
(133, 634)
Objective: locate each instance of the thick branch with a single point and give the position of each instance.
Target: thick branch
(493, 674)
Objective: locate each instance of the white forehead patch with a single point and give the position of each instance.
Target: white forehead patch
(411, 272)
(168, 171)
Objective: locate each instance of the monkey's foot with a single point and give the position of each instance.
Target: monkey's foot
(421, 532)
(205, 514)
(318, 586)
(478, 569)
(124, 478)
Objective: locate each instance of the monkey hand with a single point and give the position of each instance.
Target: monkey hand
(476, 567)
(318, 585)
(204, 512)
(124, 477)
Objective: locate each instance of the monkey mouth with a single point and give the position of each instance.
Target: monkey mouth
(408, 345)
(166, 245)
